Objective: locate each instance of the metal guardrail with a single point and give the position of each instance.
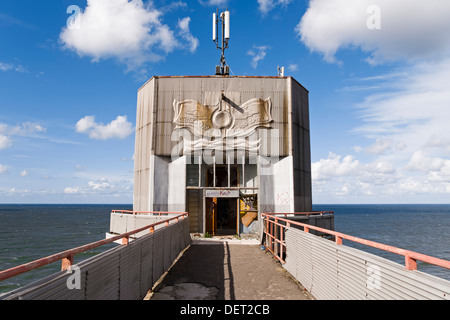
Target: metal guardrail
(67, 257)
(275, 227)
(154, 213)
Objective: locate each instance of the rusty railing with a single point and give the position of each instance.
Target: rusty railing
(276, 223)
(67, 257)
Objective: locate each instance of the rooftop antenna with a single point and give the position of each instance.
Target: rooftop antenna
(281, 71)
(224, 21)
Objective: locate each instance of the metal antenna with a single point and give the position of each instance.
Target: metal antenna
(224, 20)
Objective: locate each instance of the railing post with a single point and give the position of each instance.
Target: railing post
(410, 263)
(275, 226)
(125, 241)
(66, 263)
(338, 240)
(152, 229)
(281, 243)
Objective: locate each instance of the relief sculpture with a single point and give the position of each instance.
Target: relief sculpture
(221, 120)
(224, 124)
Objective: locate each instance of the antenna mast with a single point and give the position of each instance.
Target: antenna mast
(224, 20)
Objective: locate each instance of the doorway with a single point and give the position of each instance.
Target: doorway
(221, 216)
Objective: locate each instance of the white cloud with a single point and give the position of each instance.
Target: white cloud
(410, 29)
(3, 169)
(326, 169)
(70, 190)
(12, 67)
(116, 129)
(99, 186)
(26, 129)
(258, 53)
(183, 25)
(131, 31)
(420, 162)
(265, 6)
(24, 173)
(23, 129)
(218, 3)
(293, 67)
(5, 142)
(412, 116)
(103, 185)
(406, 118)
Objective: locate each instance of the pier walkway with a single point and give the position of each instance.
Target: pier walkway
(233, 270)
(165, 258)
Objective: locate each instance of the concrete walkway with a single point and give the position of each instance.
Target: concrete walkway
(227, 270)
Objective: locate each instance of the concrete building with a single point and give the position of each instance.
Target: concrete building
(223, 148)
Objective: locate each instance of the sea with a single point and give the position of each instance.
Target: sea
(31, 232)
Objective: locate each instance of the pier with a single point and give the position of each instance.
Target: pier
(291, 261)
(233, 270)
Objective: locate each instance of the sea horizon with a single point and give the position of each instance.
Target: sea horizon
(32, 231)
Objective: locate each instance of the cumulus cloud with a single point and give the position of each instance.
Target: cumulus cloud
(405, 111)
(102, 185)
(119, 128)
(24, 173)
(346, 179)
(421, 162)
(409, 29)
(3, 169)
(25, 129)
(5, 142)
(258, 53)
(265, 6)
(131, 31)
(72, 190)
(183, 25)
(326, 169)
(98, 186)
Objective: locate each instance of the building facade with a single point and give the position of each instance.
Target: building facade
(224, 149)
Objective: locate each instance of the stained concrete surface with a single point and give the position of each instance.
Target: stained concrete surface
(228, 270)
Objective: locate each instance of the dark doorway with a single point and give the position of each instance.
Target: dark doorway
(226, 216)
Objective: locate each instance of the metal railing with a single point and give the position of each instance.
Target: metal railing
(154, 213)
(67, 257)
(275, 227)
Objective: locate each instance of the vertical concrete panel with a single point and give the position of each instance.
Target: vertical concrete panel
(177, 185)
(160, 184)
(143, 147)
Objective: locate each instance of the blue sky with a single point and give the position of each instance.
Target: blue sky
(377, 72)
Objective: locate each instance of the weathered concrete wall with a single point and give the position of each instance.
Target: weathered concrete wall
(160, 178)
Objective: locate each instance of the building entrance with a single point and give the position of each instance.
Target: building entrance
(221, 216)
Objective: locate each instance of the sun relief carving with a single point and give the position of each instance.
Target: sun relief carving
(223, 121)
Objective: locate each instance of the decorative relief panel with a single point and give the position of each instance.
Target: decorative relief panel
(224, 119)
(223, 124)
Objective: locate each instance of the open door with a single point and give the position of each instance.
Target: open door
(210, 219)
(226, 216)
(221, 216)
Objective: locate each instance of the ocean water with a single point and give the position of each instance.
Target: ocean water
(420, 228)
(31, 232)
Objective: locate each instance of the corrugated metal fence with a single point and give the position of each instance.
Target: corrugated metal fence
(330, 271)
(122, 273)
